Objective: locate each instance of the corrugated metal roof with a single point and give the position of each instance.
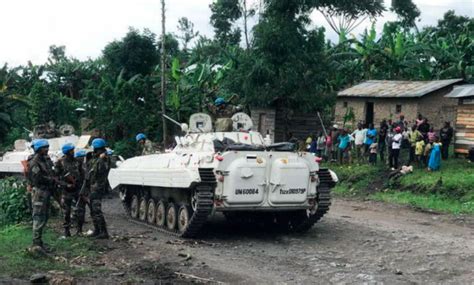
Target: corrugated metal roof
(395, 89)
(462, 91)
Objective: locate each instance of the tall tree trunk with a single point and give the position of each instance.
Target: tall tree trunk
(244, 8)
(163, 72)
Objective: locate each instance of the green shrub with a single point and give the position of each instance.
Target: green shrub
(125, 148)
(14, 201)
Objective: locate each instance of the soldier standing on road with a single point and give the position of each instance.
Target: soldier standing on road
(43, 183)
(71, 176)
(145, 145)
(96, 179)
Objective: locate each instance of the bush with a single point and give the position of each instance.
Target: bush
(125, 148)
(14, 201)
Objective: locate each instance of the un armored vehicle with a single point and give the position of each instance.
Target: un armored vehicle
(239, 173)
(13, 163)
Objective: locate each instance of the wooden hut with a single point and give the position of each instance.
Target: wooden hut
(464, 128)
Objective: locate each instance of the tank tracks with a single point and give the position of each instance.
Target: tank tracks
(299, 221)
(323, 202)
(202, 208)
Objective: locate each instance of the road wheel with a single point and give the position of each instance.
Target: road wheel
(134, 207)
(143, 209)
(184, 215)
(161, 213)
(151, 211)
(194, 200)
(171, 216)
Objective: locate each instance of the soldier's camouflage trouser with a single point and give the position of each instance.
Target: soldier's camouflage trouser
(69, 201)
(41, 200)
(96, 210)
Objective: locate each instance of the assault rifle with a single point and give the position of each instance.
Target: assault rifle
(70, 181)
(83, 195)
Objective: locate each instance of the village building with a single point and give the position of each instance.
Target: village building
(464, 124)
(279, 123)
(374, 100)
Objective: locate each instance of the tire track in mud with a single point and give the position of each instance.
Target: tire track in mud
(356, 242)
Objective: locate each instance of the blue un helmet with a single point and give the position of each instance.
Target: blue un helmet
(67, 148)
(219, 101)
(98, 143)
(140, 136)
(80, 153)
(40, 143)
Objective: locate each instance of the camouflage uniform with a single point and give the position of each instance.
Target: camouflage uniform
(222, 117)
(146, 148)
(97, 171)
(42, 179)
(71, 175)
(225, 111)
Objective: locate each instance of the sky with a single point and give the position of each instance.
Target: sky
(29, 27)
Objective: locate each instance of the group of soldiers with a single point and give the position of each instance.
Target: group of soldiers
(79, 178)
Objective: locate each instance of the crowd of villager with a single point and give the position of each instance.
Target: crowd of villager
(425, 147)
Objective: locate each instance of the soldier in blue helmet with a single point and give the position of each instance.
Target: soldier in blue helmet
(71, 175)
(222, 111)
(41, 177)
(96, 180)
(145, 146)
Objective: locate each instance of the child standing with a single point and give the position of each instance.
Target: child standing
(419, 147)
(373, 153)
(435, 156)
(431, 135)
(426, 153)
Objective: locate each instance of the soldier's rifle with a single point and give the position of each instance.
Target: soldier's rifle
(70, 180)
(83, 192)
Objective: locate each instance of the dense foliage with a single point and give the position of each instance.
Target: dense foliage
(284, 60)
(13, 202)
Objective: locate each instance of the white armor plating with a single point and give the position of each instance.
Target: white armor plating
(251, 178)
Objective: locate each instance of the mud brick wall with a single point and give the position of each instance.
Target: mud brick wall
(434, 106)
(437, 108)
(383, 108)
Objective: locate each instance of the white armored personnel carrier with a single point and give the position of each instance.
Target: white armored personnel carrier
(12, 163)
(238, 173)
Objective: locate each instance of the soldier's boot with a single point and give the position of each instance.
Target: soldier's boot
(103, 232)
(79, 229)
(67, 232)
(96, 231)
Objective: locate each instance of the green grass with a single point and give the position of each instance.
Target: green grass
(449, 190)
(426, 201)
(454, 180)
(17, 262)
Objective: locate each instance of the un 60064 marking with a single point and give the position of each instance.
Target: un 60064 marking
(251, 191)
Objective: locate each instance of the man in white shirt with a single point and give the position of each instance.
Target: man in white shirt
(396, 144)
(359, 138)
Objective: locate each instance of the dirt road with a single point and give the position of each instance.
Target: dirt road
(358, 242)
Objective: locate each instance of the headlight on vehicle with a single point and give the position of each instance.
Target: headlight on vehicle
(207, 159)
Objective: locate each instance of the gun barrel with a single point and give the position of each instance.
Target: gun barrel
(171, 120)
